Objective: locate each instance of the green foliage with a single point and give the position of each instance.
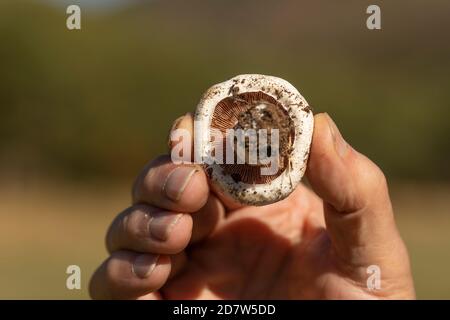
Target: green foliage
(99, 102)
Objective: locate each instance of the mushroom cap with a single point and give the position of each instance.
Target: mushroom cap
(301, 117)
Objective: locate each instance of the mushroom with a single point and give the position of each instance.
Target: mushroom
(277, 112)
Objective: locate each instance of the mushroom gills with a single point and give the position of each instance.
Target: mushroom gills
(255, 103)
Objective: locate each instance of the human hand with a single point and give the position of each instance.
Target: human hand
(180, 241)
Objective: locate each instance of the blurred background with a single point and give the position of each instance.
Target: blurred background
(82, 111)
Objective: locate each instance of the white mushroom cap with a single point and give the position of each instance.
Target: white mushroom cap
(302, 119)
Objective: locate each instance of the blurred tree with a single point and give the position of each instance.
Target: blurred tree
(98, 103)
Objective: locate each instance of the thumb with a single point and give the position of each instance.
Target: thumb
(358, 211)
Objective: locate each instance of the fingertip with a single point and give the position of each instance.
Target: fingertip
(340, 175)
(129, 275)
(321, 140)
(196, 192)
(357, 207)
(327, 169)
(327, 142)
(184, 123)
(147, 229)
(180, 188)
(180, 235)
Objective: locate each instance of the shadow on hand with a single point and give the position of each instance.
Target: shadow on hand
(245, 259)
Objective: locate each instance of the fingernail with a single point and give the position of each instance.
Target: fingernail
(340, 144)
(175, 125)
(162, 224)
(177, 180)
(144, 265)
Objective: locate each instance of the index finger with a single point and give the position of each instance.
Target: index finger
(181, 188)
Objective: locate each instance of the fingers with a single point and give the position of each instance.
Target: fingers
(144, 228)
(148, 238)
(149, 229)
(183, 128)
(358, 211)
(145, 242)
(129, 275)
(163, 184)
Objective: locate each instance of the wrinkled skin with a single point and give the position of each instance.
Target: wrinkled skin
(316, 244)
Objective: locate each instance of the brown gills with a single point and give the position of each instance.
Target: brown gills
(253, 110)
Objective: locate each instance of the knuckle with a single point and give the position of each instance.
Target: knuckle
(144, 183)
(135, 223)
(147, 187)
(115, 266)
(111, 272)
(375, 188)
(379, 178)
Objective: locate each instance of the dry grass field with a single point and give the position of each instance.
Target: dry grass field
(96, 104)
(46, 227)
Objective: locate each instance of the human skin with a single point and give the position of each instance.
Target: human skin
(179, 240)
